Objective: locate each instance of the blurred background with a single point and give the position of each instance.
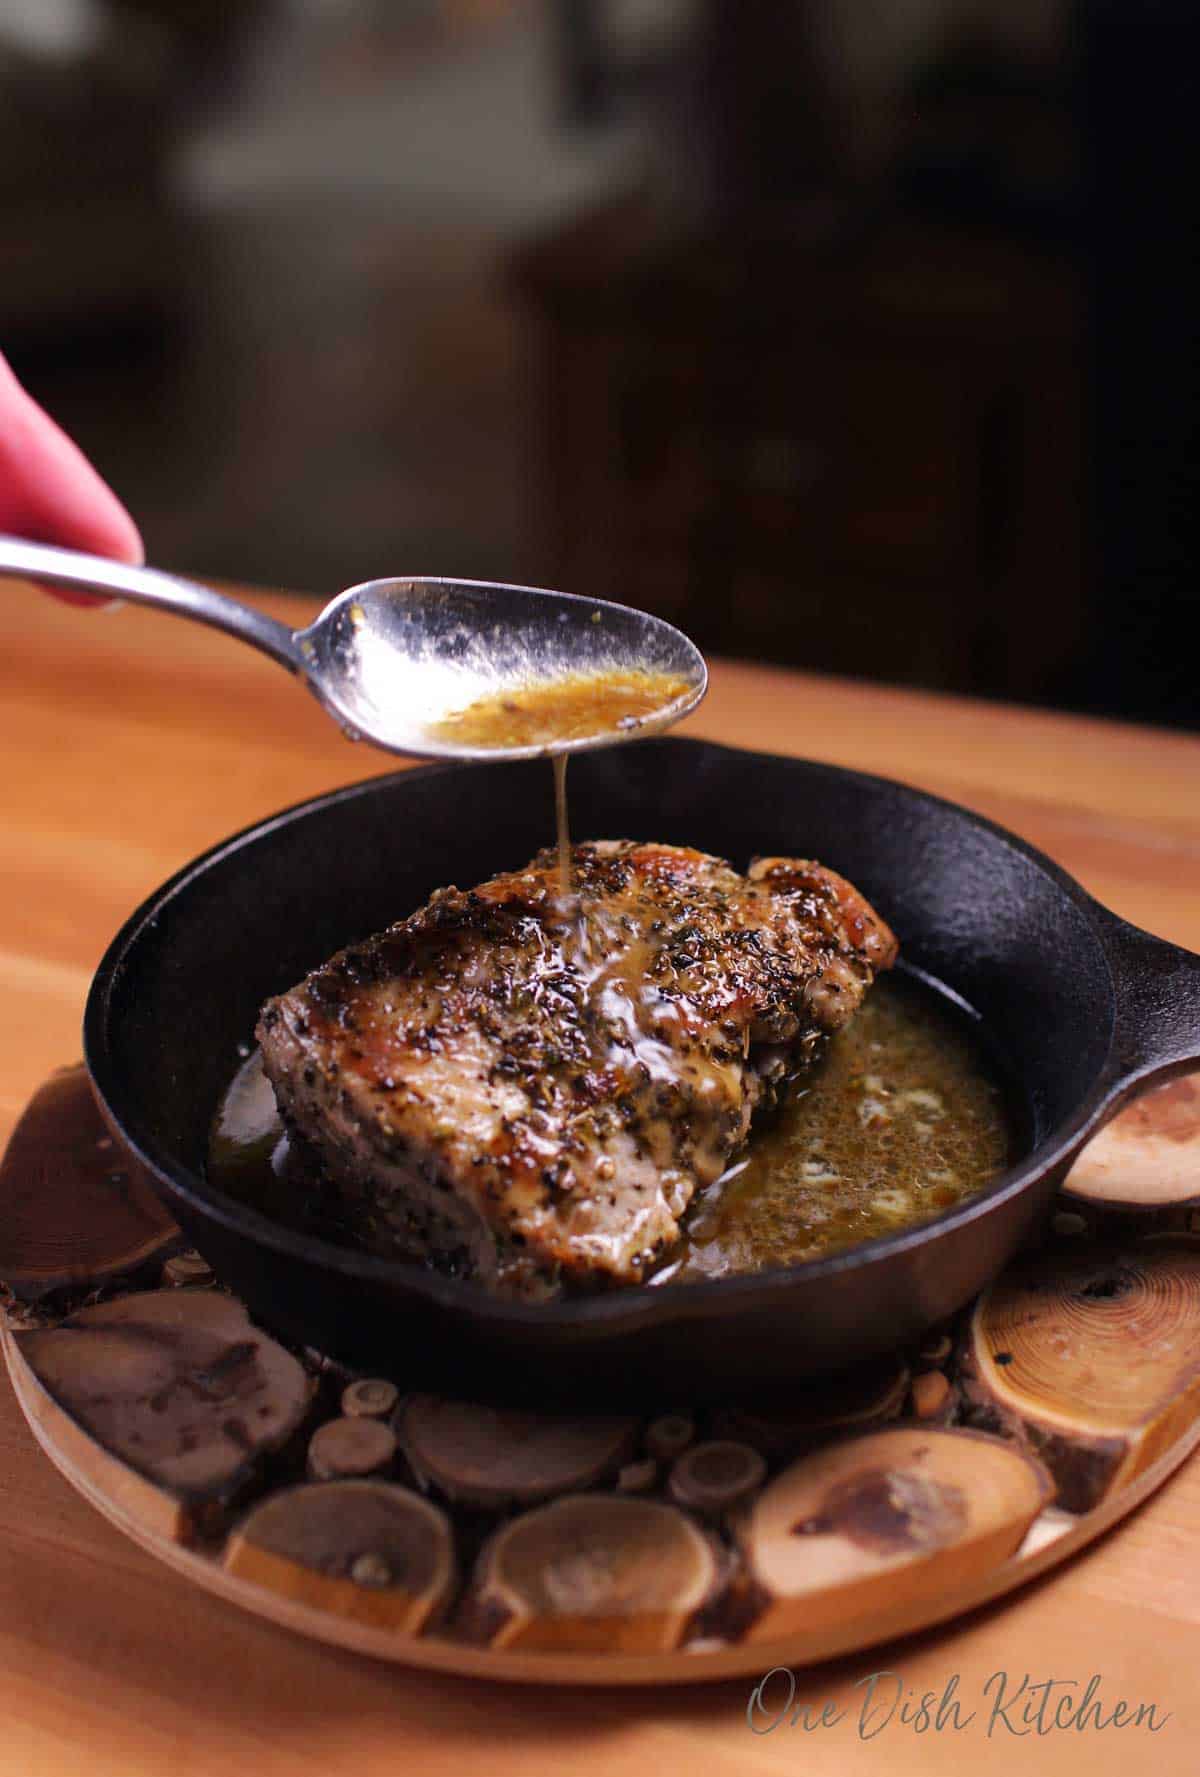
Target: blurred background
(858, 335)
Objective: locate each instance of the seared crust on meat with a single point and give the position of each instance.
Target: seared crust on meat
(529, 1092)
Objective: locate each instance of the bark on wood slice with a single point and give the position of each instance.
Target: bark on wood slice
(498, 1456)
(367, 1550)
(75, 1209)
(1148, 1157)
(1093, 1352)
(177, 1385)
(596, 1572)
(810, 1413)
(875, 1521)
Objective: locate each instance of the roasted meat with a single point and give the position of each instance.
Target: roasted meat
(529, 1091)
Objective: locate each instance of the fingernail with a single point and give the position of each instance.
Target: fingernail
(87, 601)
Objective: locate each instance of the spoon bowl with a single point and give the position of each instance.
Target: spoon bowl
(393, 660)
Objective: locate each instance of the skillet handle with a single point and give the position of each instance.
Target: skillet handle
(1157, 1032)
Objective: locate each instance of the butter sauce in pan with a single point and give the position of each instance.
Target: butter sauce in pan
(902, 1117)
(565, 709)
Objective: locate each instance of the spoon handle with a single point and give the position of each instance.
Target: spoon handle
(148, 586)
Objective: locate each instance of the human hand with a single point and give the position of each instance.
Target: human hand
(49, 492)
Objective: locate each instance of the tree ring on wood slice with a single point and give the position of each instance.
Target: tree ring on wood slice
(75, 1209)
(501, 1456)
(1092, 1353)
(370, 1397)
(1148, 1157)
(177, 1385)
(595, 1572)
(877, 1521)
(713, 1477)
(367, 1550)
(810, 1413)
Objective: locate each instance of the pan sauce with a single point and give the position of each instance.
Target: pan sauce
(572, 708)
(898, 1121)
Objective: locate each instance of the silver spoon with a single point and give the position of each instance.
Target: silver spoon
(392, 659)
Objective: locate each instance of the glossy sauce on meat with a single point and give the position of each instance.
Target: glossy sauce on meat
(900, 1119)
(532, 1094)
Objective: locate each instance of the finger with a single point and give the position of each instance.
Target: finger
(50, 493)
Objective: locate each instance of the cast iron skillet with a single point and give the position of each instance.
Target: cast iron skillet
(1082, 1008)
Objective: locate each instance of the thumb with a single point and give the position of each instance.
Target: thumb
(49, 492)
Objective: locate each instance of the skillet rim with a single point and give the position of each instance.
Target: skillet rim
(680, 1301)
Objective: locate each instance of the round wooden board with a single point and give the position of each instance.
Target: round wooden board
(136, 1506)
(1046, 1546)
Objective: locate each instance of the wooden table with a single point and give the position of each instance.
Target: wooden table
(133, 742)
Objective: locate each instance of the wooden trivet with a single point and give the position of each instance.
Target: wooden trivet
(606, 1547)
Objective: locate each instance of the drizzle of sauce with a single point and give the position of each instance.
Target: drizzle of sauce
(580, 706)
(562, 827)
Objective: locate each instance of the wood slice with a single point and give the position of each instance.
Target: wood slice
(156, 1517)
(933, 1397)
(500, 1456)
(366, 1550)
(598, 1571)
(351, 1448)
(669, 1435)
(178, 1386)
(1093, 1354)
(1148, 1157)
(370, 1397)
(712, 1478)
(874, 1522)
(810, 1413)
(187, 1271)
(638, 1477)
(75, 1209)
